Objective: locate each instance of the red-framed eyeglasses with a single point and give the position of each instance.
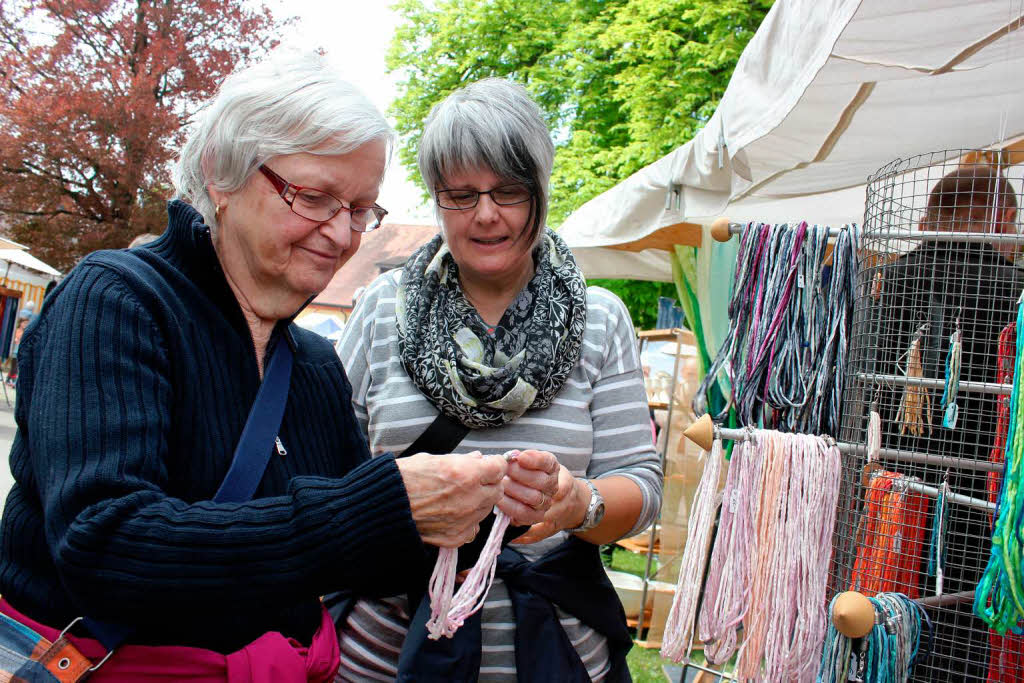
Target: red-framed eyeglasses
(317, 205)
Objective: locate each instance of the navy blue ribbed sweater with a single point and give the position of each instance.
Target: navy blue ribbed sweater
(134, 385)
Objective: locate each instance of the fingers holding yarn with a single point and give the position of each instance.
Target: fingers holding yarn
(535, 499)
(520, 513)
(567, 510)
(493, 470)
(450, 494)
(536, 470)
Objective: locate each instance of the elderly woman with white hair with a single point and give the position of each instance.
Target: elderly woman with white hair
(491, 329)
(189, 474)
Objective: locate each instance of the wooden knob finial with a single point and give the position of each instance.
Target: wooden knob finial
(720, 229)
(853, 614)
(701, 432)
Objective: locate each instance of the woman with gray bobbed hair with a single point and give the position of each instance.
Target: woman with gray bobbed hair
(491, 329)
(189, 474)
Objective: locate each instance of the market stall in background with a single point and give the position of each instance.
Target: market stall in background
(820, 164)
(23, 283)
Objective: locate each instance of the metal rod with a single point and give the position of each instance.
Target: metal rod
(919, 235)
(722, 676)
(960, 498)
(932, 383)
(929, 459)
(888, 453)
(946, 599)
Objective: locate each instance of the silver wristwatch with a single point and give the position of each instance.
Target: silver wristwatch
(595, 510)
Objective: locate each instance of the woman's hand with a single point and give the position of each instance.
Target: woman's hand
(531, 485)
(568, 508)
(450, 494)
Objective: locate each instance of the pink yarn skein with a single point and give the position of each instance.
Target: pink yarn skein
(447, 611)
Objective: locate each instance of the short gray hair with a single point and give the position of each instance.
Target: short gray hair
(493, 124)
(287, 104)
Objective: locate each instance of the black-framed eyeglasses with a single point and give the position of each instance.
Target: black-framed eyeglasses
(317, 205)
(506, 195)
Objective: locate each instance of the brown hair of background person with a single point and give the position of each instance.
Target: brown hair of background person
(973, 198)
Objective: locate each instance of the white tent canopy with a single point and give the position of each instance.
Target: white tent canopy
(27, 260)
(825, 93)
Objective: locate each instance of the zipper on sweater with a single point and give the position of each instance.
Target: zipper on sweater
(280, 446)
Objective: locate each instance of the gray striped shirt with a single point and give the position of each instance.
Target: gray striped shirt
(598, 425)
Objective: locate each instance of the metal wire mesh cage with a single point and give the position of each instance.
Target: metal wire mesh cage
(931, 352)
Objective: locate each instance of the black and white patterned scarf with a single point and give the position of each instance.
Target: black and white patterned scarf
(487, 380)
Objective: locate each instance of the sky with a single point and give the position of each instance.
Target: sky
(355, 36)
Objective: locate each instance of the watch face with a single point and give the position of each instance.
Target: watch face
(598, 514)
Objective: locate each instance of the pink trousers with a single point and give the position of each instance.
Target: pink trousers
(271, 658)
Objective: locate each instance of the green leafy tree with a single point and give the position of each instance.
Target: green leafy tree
(622, 82)
(640, 297)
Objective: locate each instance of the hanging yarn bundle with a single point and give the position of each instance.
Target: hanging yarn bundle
(770, 563)
(1005, 658)
(727, 590)
(784, 628)
(915, 412)
(772, 294)
(1005, 652)
(1005, 359)
(887, 653)
(677, 640)
(789, 321)
(874, 446)
(824, 410)
(449, 609)
(890, 537)
(740, 312)
(952, 386)
(874, 435)
(936, 546)
(788, 386)
(999, 597)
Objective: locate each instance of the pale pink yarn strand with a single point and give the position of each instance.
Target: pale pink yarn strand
(770, 546)
(824, 496)
(727, 590)
(798, 624)
(441, 589)
(447, 611)
(678, 637)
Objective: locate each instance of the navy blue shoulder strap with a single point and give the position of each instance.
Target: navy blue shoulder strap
(253, 452)
(255, 446)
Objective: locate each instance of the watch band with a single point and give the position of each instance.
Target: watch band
(595, 509)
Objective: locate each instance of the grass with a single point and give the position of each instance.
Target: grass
(631, 563)
(645, 665)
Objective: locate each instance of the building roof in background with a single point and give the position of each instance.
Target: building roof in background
(381, 250)
(11, 244)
